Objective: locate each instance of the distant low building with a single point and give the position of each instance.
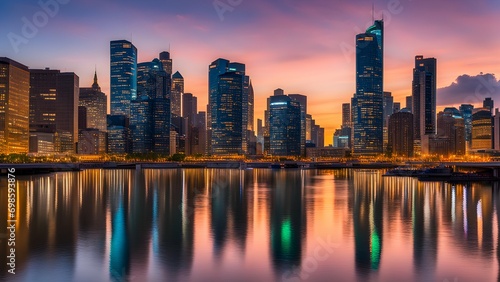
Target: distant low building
(327, 152)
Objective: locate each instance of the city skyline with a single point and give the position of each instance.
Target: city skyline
(308, 46)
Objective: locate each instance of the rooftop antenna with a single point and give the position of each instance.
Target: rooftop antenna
(373, 11)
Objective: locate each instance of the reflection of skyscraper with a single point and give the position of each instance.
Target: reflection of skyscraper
(173, 216)
(288, 221)
(367, 214)
(229, 208)
(14, 106)
(425, 228)
(367, 103)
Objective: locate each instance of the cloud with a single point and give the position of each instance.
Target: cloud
(469, 90)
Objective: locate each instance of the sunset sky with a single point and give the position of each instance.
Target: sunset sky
(304, 47)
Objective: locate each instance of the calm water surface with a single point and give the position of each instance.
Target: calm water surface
(250, 225)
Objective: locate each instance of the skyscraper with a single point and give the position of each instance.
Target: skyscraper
(367, 103)
(302, 100)
(150, 123)
(388, 106)
(189, 112)
(54, 101)
(424, 97)
(176, 94)
(466, 111)
(123, 80)
(400, 131)
(481, 129)
(229, 90)
(95, 101)
(285, 126)
(346, 114)
(14, 106)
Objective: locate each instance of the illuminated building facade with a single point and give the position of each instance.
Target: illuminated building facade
(367, 103)
(54, 101)
(123, 80)
(95, 102)
(227, 120)
(14, 106)
(284, 126)
(481, 129)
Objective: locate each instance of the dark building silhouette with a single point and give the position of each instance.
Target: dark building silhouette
(119, 136)
(424, 100)
(367, 103)
(400, 135)
(14, 106)
(54, 100)
(489, 104)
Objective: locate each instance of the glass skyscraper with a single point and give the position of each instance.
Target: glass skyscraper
(285, 126)
(150, 120)
(227, 120)
(367, 103)
(123, 76)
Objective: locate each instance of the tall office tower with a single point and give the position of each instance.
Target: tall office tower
(367, 104)
(424, 98)
(409, 103)
(176, 94)
(388, 106)
(285, 126)
(489, 104)
(14, 106)
(481, 129)
(346, 114)
(400, 135)
(302, 100)
(396, 108)
(150, 123)
(466, 111)
(229, 89)
(123, 80)
(189, 113)
(54, 100)
(200, 145)
(95, 101)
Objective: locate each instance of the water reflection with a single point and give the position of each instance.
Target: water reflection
(211, 224)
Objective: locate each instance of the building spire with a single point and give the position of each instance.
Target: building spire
(95, 86)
